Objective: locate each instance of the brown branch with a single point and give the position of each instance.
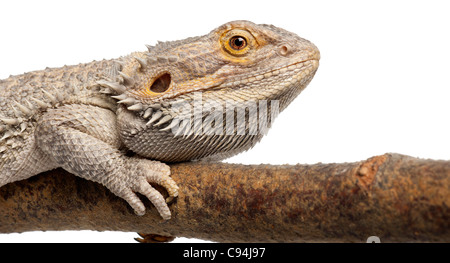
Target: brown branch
(395, 197)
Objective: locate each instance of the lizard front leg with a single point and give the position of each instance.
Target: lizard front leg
(83, 140)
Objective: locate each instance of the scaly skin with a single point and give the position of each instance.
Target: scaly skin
(116, 121)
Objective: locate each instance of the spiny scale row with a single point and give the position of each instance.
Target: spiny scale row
(29, 109)
(166, 45)
(23, 112)
(152, 112)
(155, 59)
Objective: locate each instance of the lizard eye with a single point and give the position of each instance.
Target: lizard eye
(238, 43)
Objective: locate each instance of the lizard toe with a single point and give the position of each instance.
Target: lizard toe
(156, 198)
(159, 173)
(134, 201)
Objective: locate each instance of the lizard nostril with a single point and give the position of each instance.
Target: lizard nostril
(283, 50)
(161, 84)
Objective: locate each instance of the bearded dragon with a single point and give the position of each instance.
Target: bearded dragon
(118, 122)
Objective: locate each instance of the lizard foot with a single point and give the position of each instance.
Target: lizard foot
(153, 238)
(146, 172)
(74, 131)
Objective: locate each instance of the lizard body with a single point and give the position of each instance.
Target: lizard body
(116, 121)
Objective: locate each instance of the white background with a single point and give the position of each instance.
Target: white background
(383, 84)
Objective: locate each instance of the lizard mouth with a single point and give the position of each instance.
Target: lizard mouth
(297, 67)
(297, 71)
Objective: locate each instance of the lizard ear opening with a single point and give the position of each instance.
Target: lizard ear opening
(161, 84)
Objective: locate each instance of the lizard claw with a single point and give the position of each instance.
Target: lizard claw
(170, 199)
(162, 177)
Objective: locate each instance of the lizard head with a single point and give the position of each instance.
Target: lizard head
(176, 99)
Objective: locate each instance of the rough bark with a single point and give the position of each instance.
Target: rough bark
(395, 197)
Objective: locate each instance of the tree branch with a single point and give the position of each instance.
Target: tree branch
(395, 197)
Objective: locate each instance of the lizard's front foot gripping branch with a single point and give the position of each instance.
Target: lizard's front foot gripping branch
(88, 152)
(145, 172)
